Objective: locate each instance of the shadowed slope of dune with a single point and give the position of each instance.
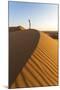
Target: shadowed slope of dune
(41, 69)
(21, 47)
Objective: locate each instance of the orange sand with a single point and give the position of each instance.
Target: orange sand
(42, 67)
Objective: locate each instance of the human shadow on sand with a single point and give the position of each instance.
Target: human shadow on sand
(21, 46)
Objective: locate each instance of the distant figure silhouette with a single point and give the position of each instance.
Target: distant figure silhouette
(29, 24)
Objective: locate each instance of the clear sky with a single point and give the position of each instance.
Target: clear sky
(42, 16)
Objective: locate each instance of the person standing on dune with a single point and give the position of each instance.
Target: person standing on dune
(29, 24)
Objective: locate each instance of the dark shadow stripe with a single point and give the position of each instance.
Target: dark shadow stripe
(47, 55)
(28, 81)
(46, 62)
(34, 76)
(43, 72)
(28, 78)
(40, 58)
(18, 85)
(39, 74)
(45, 65)
(24, 79)
(51, 60)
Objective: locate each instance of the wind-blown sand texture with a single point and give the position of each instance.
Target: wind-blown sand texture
(33, 59)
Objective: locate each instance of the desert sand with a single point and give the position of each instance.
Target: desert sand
(33, 59)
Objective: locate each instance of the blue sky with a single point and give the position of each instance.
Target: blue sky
(42, 16)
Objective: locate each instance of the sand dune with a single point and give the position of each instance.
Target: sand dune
(53, 34)
(40, 67)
